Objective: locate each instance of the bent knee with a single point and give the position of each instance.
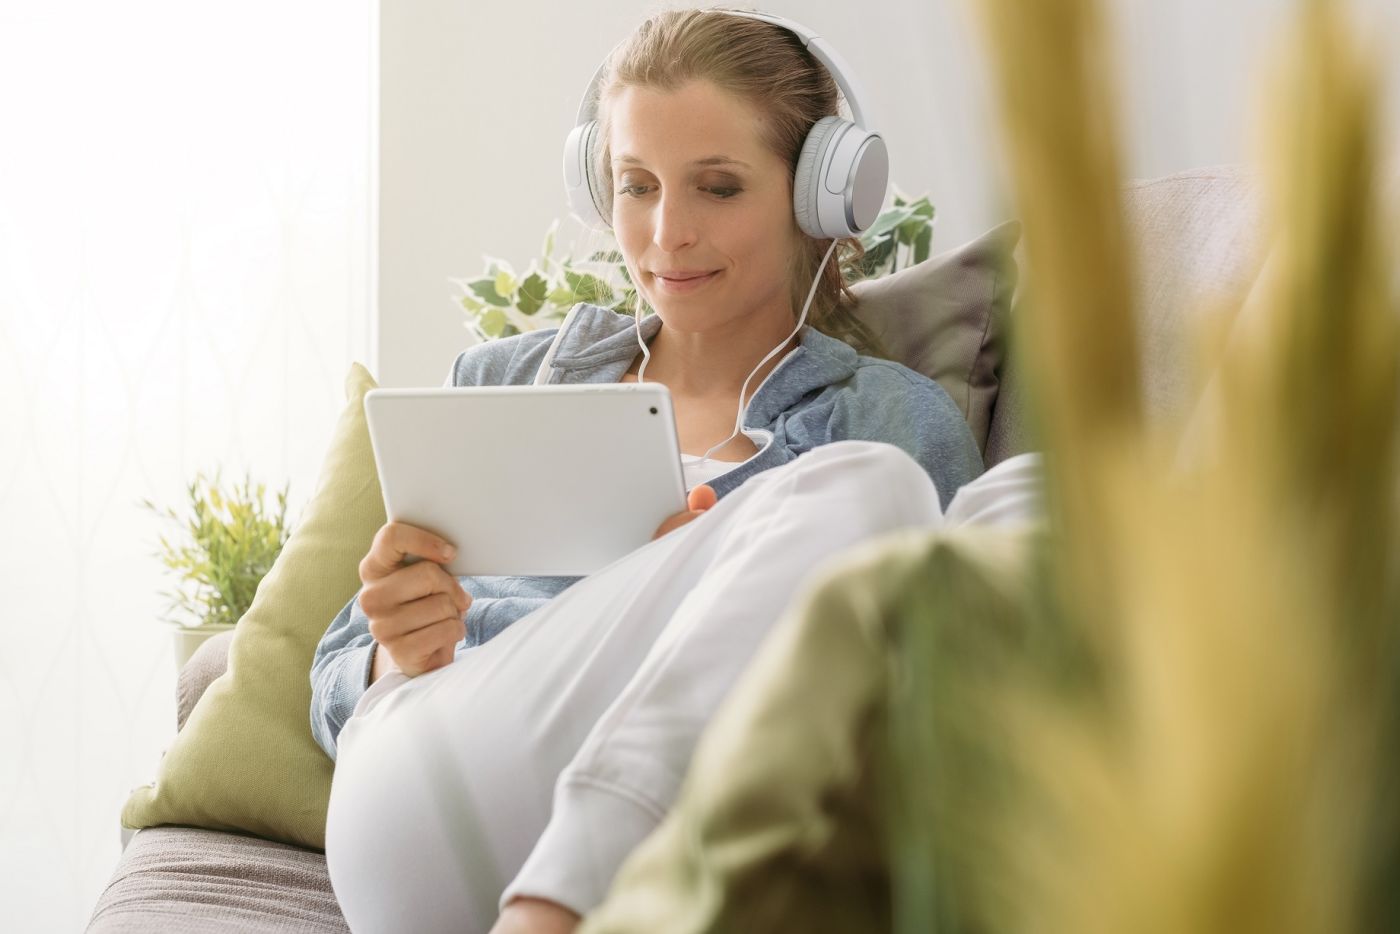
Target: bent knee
(872, 462)
(892, 487)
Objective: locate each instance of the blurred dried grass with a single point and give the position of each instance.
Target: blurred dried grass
(1225, 757)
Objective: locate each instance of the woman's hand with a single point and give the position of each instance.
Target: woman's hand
(535, 916)
(417, 612)
(700, 499)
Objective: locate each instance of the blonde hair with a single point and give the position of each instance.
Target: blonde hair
(767, 66)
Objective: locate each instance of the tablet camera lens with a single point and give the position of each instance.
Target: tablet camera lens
(653, 410)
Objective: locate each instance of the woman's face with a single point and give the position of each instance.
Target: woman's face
(702, 208)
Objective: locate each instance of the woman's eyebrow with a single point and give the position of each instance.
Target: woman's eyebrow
(708, 160)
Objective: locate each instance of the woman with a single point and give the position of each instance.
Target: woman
(503, 743)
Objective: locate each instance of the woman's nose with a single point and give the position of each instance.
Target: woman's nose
(675, 224)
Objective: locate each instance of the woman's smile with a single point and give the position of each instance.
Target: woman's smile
(685, 283)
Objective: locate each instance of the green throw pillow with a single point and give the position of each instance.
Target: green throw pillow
(245, 760)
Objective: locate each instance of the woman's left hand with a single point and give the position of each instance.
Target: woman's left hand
(699, 499)
(535, 916)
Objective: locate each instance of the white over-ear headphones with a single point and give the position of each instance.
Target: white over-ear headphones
(841, 173)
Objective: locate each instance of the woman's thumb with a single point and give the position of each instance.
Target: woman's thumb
(701, 498)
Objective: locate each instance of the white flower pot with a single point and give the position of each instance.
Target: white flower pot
(190, 638)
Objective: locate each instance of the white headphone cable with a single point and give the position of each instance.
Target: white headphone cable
(646, 354)
(739, 417)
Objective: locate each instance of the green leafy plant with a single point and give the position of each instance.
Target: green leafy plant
(900, 237)
(229, 543)
(501, 302)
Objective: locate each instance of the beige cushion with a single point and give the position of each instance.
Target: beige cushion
(946, 318)
(1198, 246)
(246, 760)
(1198, 249)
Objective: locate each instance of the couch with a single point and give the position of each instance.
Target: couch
(1197, 236)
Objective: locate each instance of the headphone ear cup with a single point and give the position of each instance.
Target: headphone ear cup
(599, 188)
(581, 181)
(806, 181)
(840, 180)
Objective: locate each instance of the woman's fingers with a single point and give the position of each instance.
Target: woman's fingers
(394, 543)
(675, 522)
(427, 648)
(701, 498)
(383, 596)
(399, 621)
(697, 501)
(416, 609)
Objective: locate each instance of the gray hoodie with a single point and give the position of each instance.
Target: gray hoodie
(822, 391)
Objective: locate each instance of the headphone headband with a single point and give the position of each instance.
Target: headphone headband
(821, 50)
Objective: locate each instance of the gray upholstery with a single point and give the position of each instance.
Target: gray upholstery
(184, 880)
(207, 663)
(194, 881)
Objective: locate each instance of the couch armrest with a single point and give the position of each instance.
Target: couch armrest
(208, 662)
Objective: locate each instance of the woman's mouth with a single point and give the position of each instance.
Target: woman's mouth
(681, 282)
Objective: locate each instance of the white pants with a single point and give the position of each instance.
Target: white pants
(533, 764)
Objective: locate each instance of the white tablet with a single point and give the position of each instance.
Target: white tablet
(529, 480)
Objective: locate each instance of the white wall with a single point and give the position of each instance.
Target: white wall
(185, 256)
(477, 99)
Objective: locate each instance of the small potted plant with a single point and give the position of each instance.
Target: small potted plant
(228, 543)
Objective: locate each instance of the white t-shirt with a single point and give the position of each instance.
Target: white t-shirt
(697, 473)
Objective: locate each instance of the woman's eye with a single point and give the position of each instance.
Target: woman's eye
(636, 191)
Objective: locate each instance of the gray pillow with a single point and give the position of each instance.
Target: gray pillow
(947, 318)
